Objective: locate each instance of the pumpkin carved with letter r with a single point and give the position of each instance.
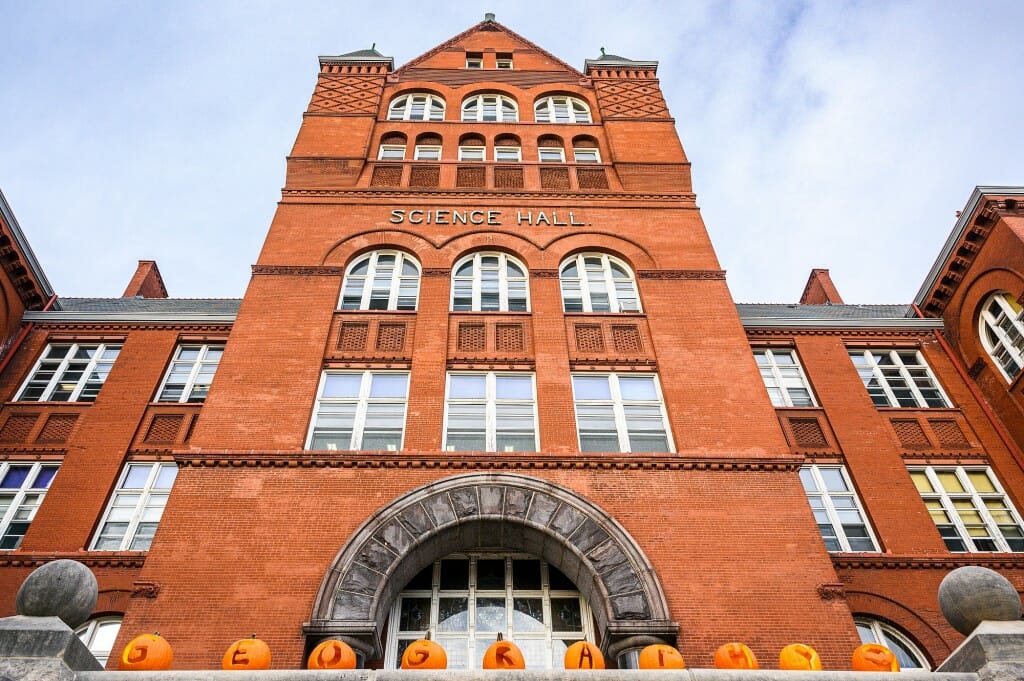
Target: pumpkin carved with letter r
(504, 654)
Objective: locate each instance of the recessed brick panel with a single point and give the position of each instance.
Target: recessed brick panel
(807, 433)
(18, 427)
(164, 429)
(472, 337)
(949, 433)
(589, 338)
(57, 428)
(353, 336)
(425, 177)
(390, 337)
(554, 178)
(509, 338)
(627, 339)
(386, 176)
(911, 434)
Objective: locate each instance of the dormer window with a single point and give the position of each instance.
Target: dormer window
(503, 61)
(474, 60)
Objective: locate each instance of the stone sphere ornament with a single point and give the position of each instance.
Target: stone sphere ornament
(332, 654)
(798, 656)
(872, 657)
(970, 595)
(62, 588)
(660, 656)
(735, 656)
(145, 653)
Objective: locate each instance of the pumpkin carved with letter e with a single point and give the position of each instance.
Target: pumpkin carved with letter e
(247, 653)
(332, 654)
(797, 656)
(583, 655)
(872, 657)
(735, 656)
(504, 654)
(661, 656)
(148, 652)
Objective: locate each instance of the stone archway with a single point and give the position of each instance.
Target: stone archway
(492, 511)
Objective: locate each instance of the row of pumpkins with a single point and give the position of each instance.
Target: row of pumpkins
(152, 652)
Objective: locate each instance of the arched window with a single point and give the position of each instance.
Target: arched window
(382, 280)
(466, 600)
(490, 108)
(417, 106)
(594, 282)
(561, 110)
(1002, 333)
(99, 635)
(489, 282)
(875, 631)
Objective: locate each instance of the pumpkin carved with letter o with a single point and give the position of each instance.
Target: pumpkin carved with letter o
(424, 654)
(735, 656)
(798, 656)
(247, 653)
(583, 655)
(503, 654)
(332, 654)
(661, 656)
(148, 652)
(872, 657)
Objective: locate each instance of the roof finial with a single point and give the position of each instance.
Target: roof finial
(602, 51)
(373, 46)
(489, 16)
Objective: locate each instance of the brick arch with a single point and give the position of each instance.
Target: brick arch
(342, 252)
(629, 251)
(927, 638)
(521, 247)
(491, 511)
(966, 323)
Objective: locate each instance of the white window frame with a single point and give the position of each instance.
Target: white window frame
(554, 154)
(145, 495)
(503, 63)
(1002, 334)
(476, 281)
(561, 109)
(386, 150)
(944, 505)
(474, 60)
(87, 634)
(771, 370)
(893, 639)
(577, 152)
(517, 152)
(501, 102)
(871, 372)
(491, 405)
(402, 107)
(619, 406)
(362, 404)
(466, 153)
(616, 304)
(200, 367)
(25, 500)
(427, 152)
(95, 365)
(370, 278)
(828, 511)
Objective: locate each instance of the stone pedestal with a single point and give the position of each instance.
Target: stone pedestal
(994, 650)
(41, 649)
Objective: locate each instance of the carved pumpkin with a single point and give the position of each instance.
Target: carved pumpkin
(247, 653)
(148, 652)
(503, 654)
(872, 657)
(332, 654)
(735, 656)
(584, 655)
(661, 656)
(799, 656)
(424, 654)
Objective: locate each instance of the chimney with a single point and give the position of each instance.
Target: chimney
(146, 282)
(820, 290)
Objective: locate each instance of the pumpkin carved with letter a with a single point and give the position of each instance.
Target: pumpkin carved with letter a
(583, 655)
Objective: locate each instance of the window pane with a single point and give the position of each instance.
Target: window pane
(389, 385)
(591, 387)
(514, 387)
(490, 615)
(638, 388)
(490, 574)
(453, 614)
(463, 386)
(454, 575)
(342, 385)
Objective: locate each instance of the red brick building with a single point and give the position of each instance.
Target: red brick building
(488, 377)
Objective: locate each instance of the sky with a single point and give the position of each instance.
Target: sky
(832, 134)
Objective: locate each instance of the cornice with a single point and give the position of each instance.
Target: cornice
(299, 270)
(951, 562)
(907, 325)
(420, 194)
(103, 321)
(681, 274)
(93, 559)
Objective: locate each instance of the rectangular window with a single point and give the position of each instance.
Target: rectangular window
(586, 155)
(391, 152)
(22, 488)
(508, 154)
(898, 378)
(427, 152)
(136, 508)
(503, 61)
(620, 413)
(69, 372)
(969, 508)
(784, 378)
(492, 412)
(471, 153)
(190, 374)
(360, 410)
(836, 509)
(551, 155)
(474, 60)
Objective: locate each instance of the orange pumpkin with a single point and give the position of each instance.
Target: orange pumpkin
(247, 653)
(148, 652)
(332, 654)
(503, 654)
(424, 654)
(735, 656)
(583, 655)
(661, 656)
(799, 656)
(872, 657)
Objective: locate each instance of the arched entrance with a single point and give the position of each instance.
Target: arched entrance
(484, 511)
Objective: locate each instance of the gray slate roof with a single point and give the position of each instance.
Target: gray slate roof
(830, 312)
(157, 305)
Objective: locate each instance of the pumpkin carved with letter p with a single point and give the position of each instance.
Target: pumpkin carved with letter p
(148, 652)
(247, 653)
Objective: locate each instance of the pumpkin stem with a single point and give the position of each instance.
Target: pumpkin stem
(500, 637)
(427, 637)
(253, 636)
(156, 633)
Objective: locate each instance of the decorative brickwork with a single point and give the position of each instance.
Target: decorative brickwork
(425, 176)
(472, 337)
(509, 338)
(353, 336)
(347, 94)
(57, 428)
(18, 427)
(554, 178)
(949, 433)
(470, 177)
(627, 340)
(164, 429)
(390, 337)
(911, 434)
(591, 178)
(386, 176)
(807, 434)
(630, 99)
(508, 178)
(589, 338)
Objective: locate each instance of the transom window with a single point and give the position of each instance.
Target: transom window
(465, 601)
(190, 374)
(382, 280)
(136, 507)
(836, 509)
(494, 412)
(360, 410)
(22, 489)
(69, 372)
(416, 107)
(489, 282)
(1002, 333)
(490, 108)
(907, 653)
(898, 378)
(472, 153)
(508, 154)
(561, 110)
(427, 152)
(594, 282)
(391, 152)
(783, 377)
(620, 413)
(969, 508)
(99, 635)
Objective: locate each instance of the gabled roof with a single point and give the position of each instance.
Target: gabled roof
(23, 248)
(362, 56)
(615, 60)
(767, 315)
(127, 310)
